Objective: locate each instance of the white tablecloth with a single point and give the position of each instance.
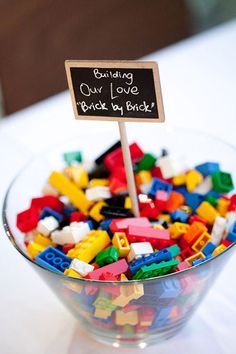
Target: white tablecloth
(198, 79)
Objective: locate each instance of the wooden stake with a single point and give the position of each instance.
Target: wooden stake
(129, 169)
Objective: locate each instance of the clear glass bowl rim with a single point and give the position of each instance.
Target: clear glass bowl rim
(10, 236)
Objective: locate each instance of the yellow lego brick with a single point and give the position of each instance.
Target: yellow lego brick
(103, 302)
(34, 249)
(127, 203)
(218, 250)
(90, 246)
(179, 180)
(143, 177)
(165, 217)
(99, 182)
(193, 179)
(207, 212)
(201, 242)
(190, 260)
(121, 242)
(95, 211)
(69, 189)
(128, 293)
(72, 273)
(102, 313)
(44, 241)
(222, 206)
(178, 229)
(158, 226)
(78, 175)
(122, 318)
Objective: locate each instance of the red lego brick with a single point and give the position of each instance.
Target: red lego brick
(115, 158)
(113, 289)
(197, 218)
(150, 211)
(77, 216)
(146, 314)
(67, 247)
(119, 173)
(116, 185)
(156, 172)
(186, 252)
(226, 243)
(121, 225)
(27, 220)
(129, 308)
(232, 205)
(115, 269)
(49, 201)
(157, 237)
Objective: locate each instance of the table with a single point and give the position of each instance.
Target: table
(198, 78)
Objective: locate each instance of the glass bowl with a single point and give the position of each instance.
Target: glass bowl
(134, 313)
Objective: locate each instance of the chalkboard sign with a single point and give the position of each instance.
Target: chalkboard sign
(115, 90)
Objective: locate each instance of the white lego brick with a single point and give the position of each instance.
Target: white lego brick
(139, 249)
(49, 190)
(97, 193)
(218, 230)
(81, 267)
(47, 225)
(145, 187)
(230, 219)
(204, 187)
(73, 233)
(166, 165)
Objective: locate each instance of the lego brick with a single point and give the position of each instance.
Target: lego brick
(175, 200)
(115, 268)
(193, 179)
(143, 177)
(27, 220)
(69, 189)
(158, 184)
(122, 318)
(231, 236)
(97, 193)
(167, 167)
(107, 256)
(218, 230)
(218, 250)
(207, 168)
(180, 216)
(53, 259)
(155, 257)
(81, 267)
(50, 212)
(128, 293)
(72, 273)
(100, 158)
(115, 212)
(139, 249)
(208, 249)
(77, 216)
(73, 233)
(201, 242)
(194, 232)
(147, 162)
(48, 201)
(196, 256)
(121, 225)
(174, 250)
(44, 241)
(78, 175)
(120, 241)
(207, 212)
(193, 200)
(222, 182)
(34, 248)
(155, 270)
(156, 237)
(47, 225)
(87, 249)
(178, 229)
(102, 182)
(95, 211)
(72, 156)
(204, 187)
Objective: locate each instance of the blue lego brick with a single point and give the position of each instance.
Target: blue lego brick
(105, 225)
(179, 215)
(198, 261)
(155, 257)
(50, 212)
(90, 224)
(53, 259)
(158, 184)
(162, 318)
(180, 189)
(69, 209)
(208, 168)
(174, 250)
(212, 193)
(232, 233)
(193, 200)
(208, 249)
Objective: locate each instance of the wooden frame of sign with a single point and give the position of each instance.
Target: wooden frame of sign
(134, 105)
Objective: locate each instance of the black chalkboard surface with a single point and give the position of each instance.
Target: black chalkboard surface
(119, 91)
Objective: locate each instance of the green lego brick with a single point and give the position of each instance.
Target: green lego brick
(155, 270)
(146, 163)
(222, 182)
(174, 250)
(107, 256)
(103, 301)
(72, 156)
(212, 200)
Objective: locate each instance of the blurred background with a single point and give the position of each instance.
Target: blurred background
(36, 36)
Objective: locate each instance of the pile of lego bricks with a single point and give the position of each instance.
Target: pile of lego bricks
(83, 225)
